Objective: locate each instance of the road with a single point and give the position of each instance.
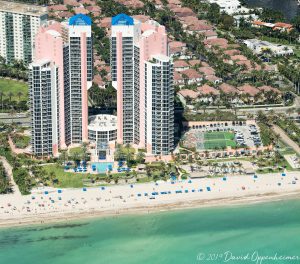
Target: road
(21, 118)
(286, 139)
(254, 111)
(8, 170)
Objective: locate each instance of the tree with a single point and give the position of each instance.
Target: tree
(140, 157)
(19, 94)
(2, 94)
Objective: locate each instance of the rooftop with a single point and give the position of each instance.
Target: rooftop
(122, 20)
(21, 8)
(80, 20)
(102, 122)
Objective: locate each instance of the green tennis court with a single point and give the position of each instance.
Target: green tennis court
(218, 135)
(218, 140)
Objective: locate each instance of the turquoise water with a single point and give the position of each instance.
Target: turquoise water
(167, 237)
(102, 166)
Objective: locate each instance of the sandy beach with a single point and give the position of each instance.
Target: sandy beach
(47, 205)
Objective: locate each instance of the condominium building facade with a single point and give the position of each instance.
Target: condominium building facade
(80, 70)
(68, 46)
(44, 105)
(19, 23)
(138, 49)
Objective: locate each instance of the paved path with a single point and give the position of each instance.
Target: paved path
(8, 170)
(286, 139)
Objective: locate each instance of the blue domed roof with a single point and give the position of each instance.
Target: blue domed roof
(122, 20)
(80, 20)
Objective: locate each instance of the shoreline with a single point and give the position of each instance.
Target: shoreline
(64, 217)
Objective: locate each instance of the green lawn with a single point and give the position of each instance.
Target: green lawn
(13, 86)
(68, 179)
(21, 141)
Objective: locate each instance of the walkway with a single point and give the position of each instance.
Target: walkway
(286, 139)
(8, 170)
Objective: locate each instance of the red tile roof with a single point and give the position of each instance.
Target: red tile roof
(266, 88)
(71, 3)
(232, 52)
(207, 70)
(248, 89)
(227, 88)
(239, 58)
(180, 64)
(57, 8)
(80, 10)
(207, 90)
(189, 93)
(194, 62)
(192, 74)
(221, 42)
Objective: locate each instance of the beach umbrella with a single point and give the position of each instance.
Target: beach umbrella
(255, 176)
(186, 191)
(283, 174)
(84, 189)
(189, 181)
(224, 179)
(46, 192)
(102, 188)
(59, 191)
(131, 185)
(208, 189)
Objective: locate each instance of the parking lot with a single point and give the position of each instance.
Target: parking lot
(222, 136)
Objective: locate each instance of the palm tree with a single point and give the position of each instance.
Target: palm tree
(12, 113)
(84, 150)
(19, 94)
(10, 95)
(2, 94)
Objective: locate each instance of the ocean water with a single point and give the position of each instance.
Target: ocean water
(289, 8)
(185, 236)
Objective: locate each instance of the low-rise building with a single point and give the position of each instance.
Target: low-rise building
(259, 47)
(102, 129)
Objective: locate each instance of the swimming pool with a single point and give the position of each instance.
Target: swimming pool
(102, 167)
